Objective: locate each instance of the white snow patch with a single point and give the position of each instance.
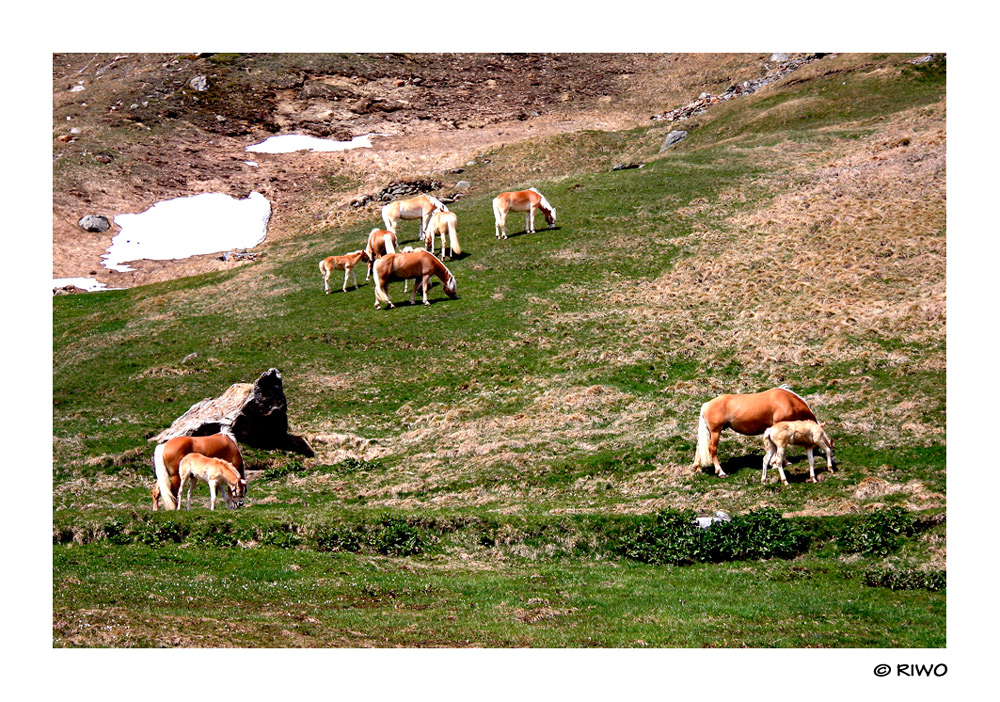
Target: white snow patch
(287, 143)
(188, 226)
(88, 284)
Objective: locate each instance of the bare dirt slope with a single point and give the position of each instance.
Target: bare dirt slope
(131, 130)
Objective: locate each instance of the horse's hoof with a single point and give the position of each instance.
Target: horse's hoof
(427, 304)
(810, 480)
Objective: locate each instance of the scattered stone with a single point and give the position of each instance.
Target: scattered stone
(672, 138)
(256, 414)
(924, 59)
(706, 100)
(95, 223)
(240, 256)
(626, 166)
(779, 57)
(463, 184)
(199, 83)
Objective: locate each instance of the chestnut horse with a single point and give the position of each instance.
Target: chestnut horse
(801, 433)
(344, 263)
(167, 457)
(420, 207)
(744, 414)
(214, 471)
(527, 201)
(419, 266)
(380, 243)
(443, 223)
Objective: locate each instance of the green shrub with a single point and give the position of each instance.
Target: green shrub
(280, 535)
(670, 536)
(294, 465)
(879, 533)
(905, 578)
(158, 533)
(213, 535)
(338, 537)
(354, 465)
(396, 537)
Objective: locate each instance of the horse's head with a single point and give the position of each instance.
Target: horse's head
(451, 287)
(550, 216)
(237, 492)
(365, 256)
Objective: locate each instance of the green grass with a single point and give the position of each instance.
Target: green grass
(512, 547)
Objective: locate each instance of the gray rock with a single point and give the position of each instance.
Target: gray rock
(199, 83)
(95, 223)
(463, 184)
(256, 414)
(672, 138)
(779, 57)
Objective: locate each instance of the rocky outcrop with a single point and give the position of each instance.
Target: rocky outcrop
(256, 414)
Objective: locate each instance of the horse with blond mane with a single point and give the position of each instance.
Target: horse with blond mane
(167, 458)
(745, 414)
(195, 467)
(419, 266)
(345, 263)
(443, 222)
(527, 201)
(420, 207)
(380, 243)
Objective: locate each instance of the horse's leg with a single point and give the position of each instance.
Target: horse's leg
(354, 277)
(769, 449)
(426, 283)
(347, 272)
(413, 295)
(713, 451)
(180, 495)
(812, 471)
(211, 490)
(529, 220)
(779, 460)
(326, 281)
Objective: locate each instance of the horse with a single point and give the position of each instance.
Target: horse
(526, 201)
(344, 263)
(443, 222)
(380, 243)
(805, 433)
(419, 266)
(214, 471)
(167, 457)
(420, 207)
(744, 414)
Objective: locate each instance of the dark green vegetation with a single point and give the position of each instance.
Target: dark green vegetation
(526, 480)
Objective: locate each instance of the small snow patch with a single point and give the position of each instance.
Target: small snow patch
(188, 226)
(88, 284)
(287, 143)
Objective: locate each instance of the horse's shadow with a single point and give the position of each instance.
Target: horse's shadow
(537, 231)
(752, 462)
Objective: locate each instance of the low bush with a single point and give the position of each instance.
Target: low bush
(671, 536)
(879, 533)
(905, 578)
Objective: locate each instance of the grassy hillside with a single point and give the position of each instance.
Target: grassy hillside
(485, 466)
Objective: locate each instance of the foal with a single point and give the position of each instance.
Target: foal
(797, 433)
(443, 223)
(215, 472)
(344, 263)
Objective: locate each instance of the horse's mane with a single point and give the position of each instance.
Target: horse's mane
(437, 203)
(787, 388)
(545, 203)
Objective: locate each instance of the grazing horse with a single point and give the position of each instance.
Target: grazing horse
(800, 433)
(344, 263)
(744, 414)
(443, 222)
(418, 265)
(167, 457)
(214, 471)
(420, 207)
(527, 201)
(380, 243)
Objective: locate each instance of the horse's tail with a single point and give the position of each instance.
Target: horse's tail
(702, 455)
(456, 248)
(322, 267)
(497, 210)
(162, 478)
